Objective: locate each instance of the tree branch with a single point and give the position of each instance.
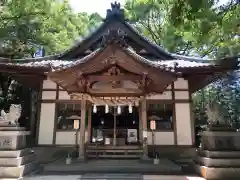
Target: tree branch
(2, 18)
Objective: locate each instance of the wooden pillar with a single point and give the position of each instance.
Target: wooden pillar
(89, 123)
(144, 126)
(82, 130)
(140, 123)
(114, 126)
(144, 114)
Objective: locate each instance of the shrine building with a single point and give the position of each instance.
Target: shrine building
(116, 89)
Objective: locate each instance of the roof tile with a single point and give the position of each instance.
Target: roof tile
(61, 64)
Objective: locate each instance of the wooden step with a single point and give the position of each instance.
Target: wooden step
(112, 156)
(115, 150)
(109, 151)
(93, 146)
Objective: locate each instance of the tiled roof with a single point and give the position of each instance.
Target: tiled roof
(104, 25)
(140, 35)
(191, 58)
(182, 63)
(62, 64)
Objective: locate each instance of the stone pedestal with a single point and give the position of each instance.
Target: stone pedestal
(15, 160)
(219, 155)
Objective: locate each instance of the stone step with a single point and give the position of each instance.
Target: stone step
(10, 162)
(112, 166)
(111, 177)
(219, 172)
(15, 153)
(17, 172)
(223, 162)
(219, 154)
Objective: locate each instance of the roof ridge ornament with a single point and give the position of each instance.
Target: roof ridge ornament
(114, 36)
(115, 12)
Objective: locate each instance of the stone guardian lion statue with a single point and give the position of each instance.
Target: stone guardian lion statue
(13, 115)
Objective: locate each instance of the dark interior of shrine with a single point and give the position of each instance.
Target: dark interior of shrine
(125, 121)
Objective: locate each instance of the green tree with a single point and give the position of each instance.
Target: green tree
(26, 24)
(201, 28)
(189, 27)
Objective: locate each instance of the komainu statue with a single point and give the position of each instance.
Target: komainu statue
(13, 115)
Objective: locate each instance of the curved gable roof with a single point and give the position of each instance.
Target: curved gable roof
(115, 19)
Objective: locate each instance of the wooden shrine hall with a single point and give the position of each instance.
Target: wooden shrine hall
(108, 91)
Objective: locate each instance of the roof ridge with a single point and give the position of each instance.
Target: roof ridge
(191, 58)
(131, 26)
(87, 36)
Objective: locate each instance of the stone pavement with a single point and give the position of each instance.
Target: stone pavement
(165, 166)
(111, 177)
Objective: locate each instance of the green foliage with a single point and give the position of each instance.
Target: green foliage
(200, 28)
(27, 24)
(180, 26)
(189, 27)
(225, 93)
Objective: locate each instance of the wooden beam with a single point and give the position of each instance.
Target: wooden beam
(113, 78)
(199, 82)
(115, 94)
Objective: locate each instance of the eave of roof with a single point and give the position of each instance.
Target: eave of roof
(181, 64)
(62, 64)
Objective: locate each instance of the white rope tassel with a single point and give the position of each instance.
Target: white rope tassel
(106, 108)
(119, 110)
(94, 108)
(130, 108)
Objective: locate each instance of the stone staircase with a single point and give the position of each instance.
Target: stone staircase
(14, 164)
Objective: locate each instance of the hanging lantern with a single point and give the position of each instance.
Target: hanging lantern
(133, 122)
(119, 110)
(76, 124)
(106, 108)
(94, 108)
(130, 108)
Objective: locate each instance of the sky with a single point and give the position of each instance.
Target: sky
(100, 6)
(91, 6)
